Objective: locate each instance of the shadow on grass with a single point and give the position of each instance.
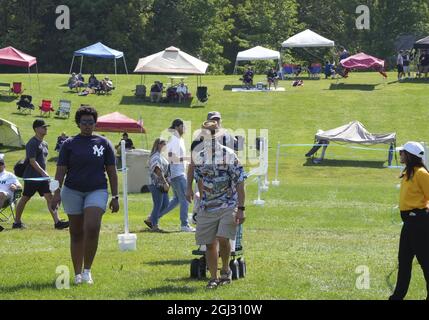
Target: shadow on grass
(169, 263)
(347, 86)
(27, 286)
(415, 80)
(346, 163)
(169, 289)
(7, 99)
(4, 149)
(160, 232)
(132, 100)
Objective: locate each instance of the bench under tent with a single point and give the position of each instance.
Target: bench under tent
(353, 133)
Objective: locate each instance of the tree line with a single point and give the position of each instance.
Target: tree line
(213, 30)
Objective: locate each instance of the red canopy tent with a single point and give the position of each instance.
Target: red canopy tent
(363, 61)
(13, 57)
(117, 122)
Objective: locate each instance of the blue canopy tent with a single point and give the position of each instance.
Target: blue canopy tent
(99, 50)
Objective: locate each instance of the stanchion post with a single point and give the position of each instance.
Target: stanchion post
(276, 182)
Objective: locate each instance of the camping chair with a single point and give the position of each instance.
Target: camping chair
(24, 104)
(17, 88)
(64, 109)
(46, 108)
(8, 210)
(315, 70)
(202, 94)
(288, 70)
(140, 92)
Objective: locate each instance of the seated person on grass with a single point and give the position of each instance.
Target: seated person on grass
(93, 82)
(156, 92)
(8, 183)
(60, 140)
(329, 70)
(73, 82)
(272, 78)
(182, 92)
(248, 77)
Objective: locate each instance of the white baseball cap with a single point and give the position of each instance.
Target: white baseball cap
(414, 148)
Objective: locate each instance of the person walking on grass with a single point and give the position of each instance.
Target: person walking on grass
(36, 178)
(159, 187)
(83, 162)
(220, 179)
(177, 160)
(413, 203)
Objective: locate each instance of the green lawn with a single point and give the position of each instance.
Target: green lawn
(316, 228)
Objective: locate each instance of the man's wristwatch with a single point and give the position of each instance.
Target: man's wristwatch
(115, 197)
(241, 208)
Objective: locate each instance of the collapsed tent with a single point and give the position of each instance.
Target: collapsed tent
(308, 39)
(363, 61)
(99, 50)
(117, 122)
(171, 61)
(353, 132)
(10, 135)
(257, 53)
(422, 43)
(13, 57)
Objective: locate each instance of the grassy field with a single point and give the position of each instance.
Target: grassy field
(316, 228)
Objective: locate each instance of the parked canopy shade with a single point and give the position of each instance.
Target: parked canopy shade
(117, 122)
(99, 50)
(258, 53)
(13, 57)
(307, 39)
(171, 61)
(422, 43)
(355, 132)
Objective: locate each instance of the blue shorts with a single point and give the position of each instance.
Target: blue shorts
(74, 202)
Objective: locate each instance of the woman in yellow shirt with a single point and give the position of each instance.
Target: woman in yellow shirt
(413, 204)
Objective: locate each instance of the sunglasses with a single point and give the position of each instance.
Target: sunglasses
(1, 163)
(87, 122)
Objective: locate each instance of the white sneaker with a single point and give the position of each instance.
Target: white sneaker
(78, 279)
(87, 278)
(187, 229)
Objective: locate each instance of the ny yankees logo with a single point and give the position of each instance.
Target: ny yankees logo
(98, 151)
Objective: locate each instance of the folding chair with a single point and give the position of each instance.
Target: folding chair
(288, 70)
(315, 70)
(140, 92)
(17, 88)
(24, 104)
(46, 108)
(202, 94)
(8, 210)
(64, 109)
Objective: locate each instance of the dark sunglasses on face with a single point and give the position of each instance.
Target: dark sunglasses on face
(87, 122)
(1, 164)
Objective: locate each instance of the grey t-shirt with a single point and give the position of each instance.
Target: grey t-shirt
(38, 150)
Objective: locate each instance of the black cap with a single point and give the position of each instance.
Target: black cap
(39, 123)
(176, 123)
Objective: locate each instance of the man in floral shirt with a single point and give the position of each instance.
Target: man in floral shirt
(220, 178)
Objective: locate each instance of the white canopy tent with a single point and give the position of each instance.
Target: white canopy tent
(171, 61)
(308, 39)
(257, 53)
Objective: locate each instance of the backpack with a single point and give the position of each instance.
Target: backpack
(20, 167)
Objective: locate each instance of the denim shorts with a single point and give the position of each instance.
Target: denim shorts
(74, 202)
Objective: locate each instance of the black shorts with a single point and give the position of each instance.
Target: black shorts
(31, 187)
(400, 68)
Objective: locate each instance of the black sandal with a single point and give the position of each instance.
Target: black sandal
(213, 284)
